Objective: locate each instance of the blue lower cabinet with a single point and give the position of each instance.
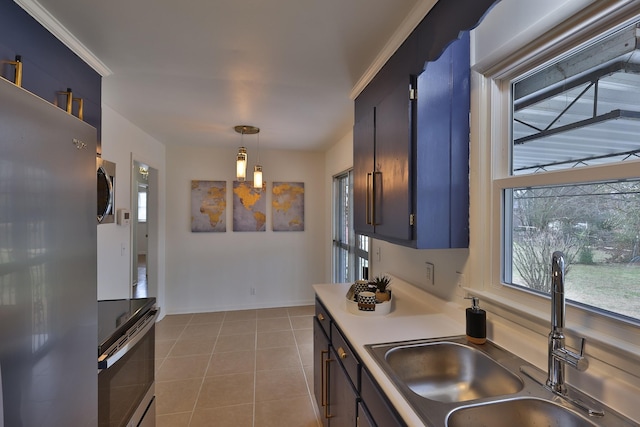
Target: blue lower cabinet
(345, 393)
(364, 418)
(380, 411)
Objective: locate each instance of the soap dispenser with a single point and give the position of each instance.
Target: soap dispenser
(476, 323)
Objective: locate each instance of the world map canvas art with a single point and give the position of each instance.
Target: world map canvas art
(288, 206)
(208, 206)
(249, 207)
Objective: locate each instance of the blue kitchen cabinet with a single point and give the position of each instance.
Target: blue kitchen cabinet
(442, 150)
(411, 154)
(382, 167)
(363, 164)
(382, 149)
(337, 372)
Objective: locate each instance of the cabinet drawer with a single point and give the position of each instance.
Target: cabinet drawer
(323, 318)
(346, 356)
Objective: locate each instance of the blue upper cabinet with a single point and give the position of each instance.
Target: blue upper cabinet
(363, 164)
(382, 169)
(49, 67)
(411, 136)
(411, 157)
(383, 135)
(442, 150)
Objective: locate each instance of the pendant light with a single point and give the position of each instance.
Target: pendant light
(257, 176)
(257, 169)
(241, 164)
(241, 158)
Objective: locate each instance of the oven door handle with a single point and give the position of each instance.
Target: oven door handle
(112, 355)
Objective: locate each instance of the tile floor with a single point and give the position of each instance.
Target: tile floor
(238, 368)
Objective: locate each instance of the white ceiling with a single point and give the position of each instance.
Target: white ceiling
(187, 72)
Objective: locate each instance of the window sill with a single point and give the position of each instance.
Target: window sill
(620, 351)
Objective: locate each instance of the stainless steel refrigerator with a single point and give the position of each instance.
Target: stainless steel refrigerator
(48, 266)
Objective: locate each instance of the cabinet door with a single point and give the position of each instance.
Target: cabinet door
(342, 396)
(363, 146)
(364, 418)
(382, 412)
(320, 364)
(442, 150)
(392, 153)
(433, 154)
(460, 107)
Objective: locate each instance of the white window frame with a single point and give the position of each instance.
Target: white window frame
(355, 252)
(613, 342)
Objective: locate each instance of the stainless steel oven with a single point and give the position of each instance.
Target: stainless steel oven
(126, 371)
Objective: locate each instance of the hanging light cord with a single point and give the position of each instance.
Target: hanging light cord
(258, 150)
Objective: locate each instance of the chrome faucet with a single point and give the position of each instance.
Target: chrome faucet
(559, 355)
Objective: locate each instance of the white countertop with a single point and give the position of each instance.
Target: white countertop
(414, 315)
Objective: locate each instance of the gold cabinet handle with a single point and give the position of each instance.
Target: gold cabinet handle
(80, 102)
(320, 317)
(18, 70)
(69, 103)
(370, 197)
(368, 204)
(343, 354)
(377, 187)
(323, 379)
(327, 413)
(68, 100)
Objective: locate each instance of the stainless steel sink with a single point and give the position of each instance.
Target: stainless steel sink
(450, 372)
(525, 412)
(452, 383)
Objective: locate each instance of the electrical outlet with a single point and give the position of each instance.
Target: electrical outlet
(430, 273)
(252, 291)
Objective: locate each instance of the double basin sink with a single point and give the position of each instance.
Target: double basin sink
(450, 382)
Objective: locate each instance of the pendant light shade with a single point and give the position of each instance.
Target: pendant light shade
(257, 176)
(241, 164)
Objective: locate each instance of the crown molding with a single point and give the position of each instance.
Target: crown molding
(48, 21)
(415, 16)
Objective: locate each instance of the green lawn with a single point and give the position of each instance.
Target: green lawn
(613, 287)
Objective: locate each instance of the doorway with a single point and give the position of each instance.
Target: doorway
(143, 230)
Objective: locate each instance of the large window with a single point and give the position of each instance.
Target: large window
(350, 250)
(571, 180)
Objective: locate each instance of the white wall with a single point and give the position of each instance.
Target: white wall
(122, 141)
(409, 265)
(216, 271)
